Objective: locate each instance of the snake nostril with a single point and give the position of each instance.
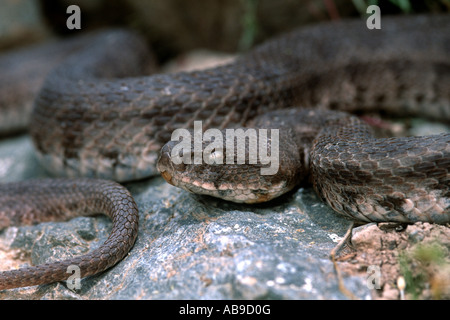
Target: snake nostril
(179, 167)
(166, 149)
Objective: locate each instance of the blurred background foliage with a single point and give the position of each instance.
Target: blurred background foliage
(176, 26)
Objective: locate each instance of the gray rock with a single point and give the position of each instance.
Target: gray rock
(189, 247)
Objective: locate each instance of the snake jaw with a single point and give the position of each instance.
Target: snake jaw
(164, 164)
(168, 177)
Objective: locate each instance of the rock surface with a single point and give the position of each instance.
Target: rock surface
(418, 253)
(189, 247)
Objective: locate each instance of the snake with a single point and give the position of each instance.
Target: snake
(97, 113)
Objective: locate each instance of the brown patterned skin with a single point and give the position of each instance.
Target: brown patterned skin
(35, 201)
(362, 177)
(96, 117)
(85, 123)
(390, 179)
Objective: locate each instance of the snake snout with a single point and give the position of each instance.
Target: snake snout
(170, 167)
(164, 164)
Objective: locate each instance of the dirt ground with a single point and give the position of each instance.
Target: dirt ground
(389, 254)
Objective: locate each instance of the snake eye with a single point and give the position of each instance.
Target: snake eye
(215, 157)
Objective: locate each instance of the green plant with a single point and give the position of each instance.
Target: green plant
(418, 266)
(249, 24)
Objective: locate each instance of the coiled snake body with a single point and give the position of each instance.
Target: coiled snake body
(95, 117)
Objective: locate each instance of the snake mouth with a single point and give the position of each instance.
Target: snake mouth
(164, 164)
(168, 177)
